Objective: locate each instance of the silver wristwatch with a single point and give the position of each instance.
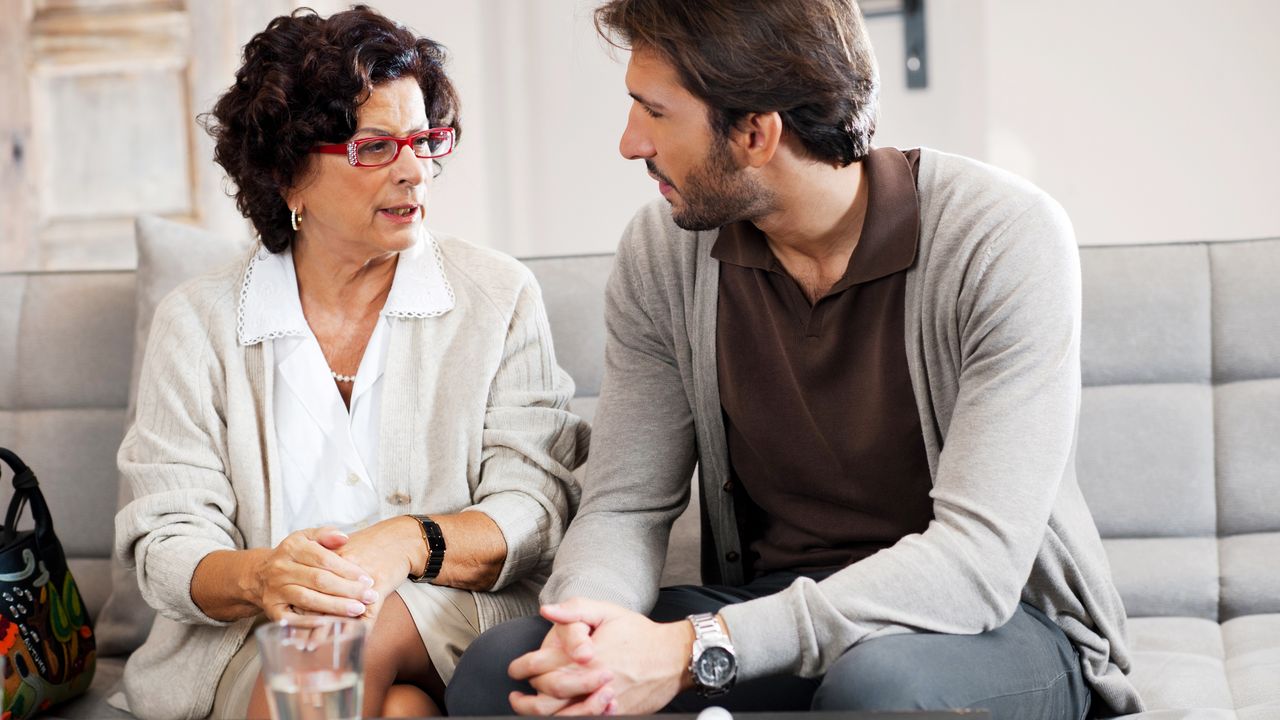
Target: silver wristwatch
(714, 666)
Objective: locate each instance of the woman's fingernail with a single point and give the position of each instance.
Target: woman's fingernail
(366, 581)
(355, 609)
(370, 597)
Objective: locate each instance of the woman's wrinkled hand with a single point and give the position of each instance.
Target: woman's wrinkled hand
(386, 551)
(306, 574)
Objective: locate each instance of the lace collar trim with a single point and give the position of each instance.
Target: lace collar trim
(269, 307)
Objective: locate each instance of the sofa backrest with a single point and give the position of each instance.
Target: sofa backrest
(66, 346)
(573, 291)
(1179, 450)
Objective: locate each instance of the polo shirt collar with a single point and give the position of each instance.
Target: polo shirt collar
(270, 308)
(890, 232)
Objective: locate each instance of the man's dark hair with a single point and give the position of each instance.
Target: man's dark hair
(808, 60)
(302, 80)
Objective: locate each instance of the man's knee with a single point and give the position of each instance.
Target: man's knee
(480, 683)
(1026, 668)
(877, 676)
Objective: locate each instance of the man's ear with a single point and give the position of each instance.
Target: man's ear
(755, 138)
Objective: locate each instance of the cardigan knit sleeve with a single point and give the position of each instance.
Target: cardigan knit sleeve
(643, 449)
(172, 460)
(1008, 447)
(531, 443)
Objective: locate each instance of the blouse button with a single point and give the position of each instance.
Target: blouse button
(398, 499)
(353, 479)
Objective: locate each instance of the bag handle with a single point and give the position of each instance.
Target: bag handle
(25, 490)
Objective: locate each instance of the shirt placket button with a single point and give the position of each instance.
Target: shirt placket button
(353, 479)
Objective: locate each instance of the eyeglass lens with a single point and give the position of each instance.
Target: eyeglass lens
(425, 145)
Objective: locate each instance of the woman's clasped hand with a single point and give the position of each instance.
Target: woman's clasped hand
(324, 571)
(305, 575)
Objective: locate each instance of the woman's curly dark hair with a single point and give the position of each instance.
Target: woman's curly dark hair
(302, 80)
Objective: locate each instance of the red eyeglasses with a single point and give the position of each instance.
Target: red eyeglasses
(379, 151)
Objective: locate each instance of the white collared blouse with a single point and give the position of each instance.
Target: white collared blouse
(329, 451)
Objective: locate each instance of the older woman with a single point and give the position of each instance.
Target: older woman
(308, 417)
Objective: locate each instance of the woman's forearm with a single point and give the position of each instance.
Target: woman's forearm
(475, 551)
(227, 584)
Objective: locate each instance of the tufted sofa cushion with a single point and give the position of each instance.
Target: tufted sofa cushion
(1179, 457)
(1179, 451)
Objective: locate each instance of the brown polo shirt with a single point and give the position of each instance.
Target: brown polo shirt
(826, 453)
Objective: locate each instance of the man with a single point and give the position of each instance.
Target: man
(873, 358)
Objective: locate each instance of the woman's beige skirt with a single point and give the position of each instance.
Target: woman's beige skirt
(447, 622)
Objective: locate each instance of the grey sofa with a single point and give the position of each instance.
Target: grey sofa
(1179, 451)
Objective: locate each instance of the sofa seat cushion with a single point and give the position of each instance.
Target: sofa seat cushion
(93, 704)
(1166, 577)
(1189, 668)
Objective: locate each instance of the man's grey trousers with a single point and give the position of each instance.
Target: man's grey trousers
(1025, 670)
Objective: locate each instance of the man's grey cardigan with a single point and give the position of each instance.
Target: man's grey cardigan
(993, 344)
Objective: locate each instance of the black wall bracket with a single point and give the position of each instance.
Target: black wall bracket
(916, 58)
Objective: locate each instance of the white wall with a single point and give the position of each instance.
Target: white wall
(951, 113)
(538, 170)
(1150, 120)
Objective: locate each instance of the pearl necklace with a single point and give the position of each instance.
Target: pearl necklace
(343, 378)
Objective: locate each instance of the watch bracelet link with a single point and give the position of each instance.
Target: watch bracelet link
(433, 538)
(707, 633)
(705, 624)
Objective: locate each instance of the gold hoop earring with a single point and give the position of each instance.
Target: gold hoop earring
(295, 219)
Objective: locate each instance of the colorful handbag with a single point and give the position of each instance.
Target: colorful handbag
(46, 639)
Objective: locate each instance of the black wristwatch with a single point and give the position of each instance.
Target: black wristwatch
(434, 540)
(714, 666)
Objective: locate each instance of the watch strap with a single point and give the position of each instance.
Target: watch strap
(433, 538)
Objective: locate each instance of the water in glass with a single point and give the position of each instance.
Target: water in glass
(319, 695)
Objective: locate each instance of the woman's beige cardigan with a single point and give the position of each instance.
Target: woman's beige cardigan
(474, 417)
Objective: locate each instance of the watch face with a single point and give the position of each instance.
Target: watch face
(715, 667)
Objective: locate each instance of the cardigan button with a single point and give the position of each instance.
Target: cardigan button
(731, 556)
(398, 499)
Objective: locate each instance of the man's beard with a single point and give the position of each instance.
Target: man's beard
(717, 193)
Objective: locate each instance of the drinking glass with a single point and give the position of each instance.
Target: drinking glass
(314, 671)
